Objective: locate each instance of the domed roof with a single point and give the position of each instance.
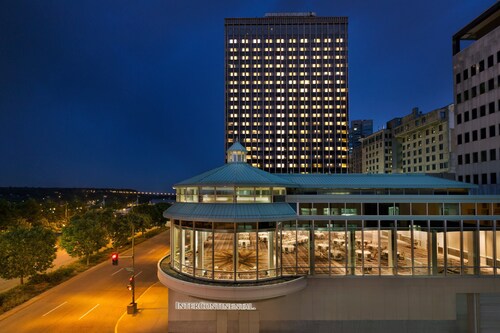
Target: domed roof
(231, 174)
(237, 147)
(235, 173)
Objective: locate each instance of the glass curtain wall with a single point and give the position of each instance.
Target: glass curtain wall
(267, 246)
(338, 250)
(322, 254)
(229, 194)
(453, 248)
(289, 248)
(371, 238)
(176, 245)
(204, 250)
(470, 240)
(486, 246)
(496, 244)
(259, 251)
(303, 246)
(421, 256)
(388, 254)
(404, 248)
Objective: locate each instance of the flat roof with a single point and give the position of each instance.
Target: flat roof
(286, 19)
(479, 27)
(243, 174)
(366, 181)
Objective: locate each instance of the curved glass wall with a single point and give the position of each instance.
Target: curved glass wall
(226, 251)
(230, 194)
(266, 250)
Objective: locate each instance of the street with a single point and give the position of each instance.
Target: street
(96, 300)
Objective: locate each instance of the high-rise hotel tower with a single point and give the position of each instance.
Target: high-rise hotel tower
(286, 91)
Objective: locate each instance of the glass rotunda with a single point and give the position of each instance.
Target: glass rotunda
(226, 221)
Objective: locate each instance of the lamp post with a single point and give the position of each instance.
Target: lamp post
(132, 307)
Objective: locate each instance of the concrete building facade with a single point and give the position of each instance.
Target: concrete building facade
(476, 73)
(377, 152)
(416, 143)
(424, 143)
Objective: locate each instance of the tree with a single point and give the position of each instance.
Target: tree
(119, 230)
(31, 211)
(140, 221)
(155, 212)
(160, 208)
(83, 236)
(25, 251)
(7, 214)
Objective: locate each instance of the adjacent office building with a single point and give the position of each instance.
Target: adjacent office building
(424, 143)
(416, 143)
(377, 152)
(476, 72)
(356, 160)
(358, 130)
(286, 91)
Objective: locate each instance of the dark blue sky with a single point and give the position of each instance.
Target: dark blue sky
(121, 93)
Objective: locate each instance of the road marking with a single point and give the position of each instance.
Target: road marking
(138, 273)
(118, 271)
(86, 313)
(151, 251)
(57, 307)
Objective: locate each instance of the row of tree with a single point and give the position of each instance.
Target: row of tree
(47, 213)
(27, 247)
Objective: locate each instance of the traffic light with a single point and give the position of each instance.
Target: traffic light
(131, 283)
(114, 258)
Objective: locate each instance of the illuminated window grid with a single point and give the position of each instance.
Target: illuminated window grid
(288, 80)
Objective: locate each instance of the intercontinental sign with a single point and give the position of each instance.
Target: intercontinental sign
(214, 306)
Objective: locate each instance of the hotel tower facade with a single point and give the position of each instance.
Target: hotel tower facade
(286, 91)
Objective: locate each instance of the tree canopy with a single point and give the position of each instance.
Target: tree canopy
(83, 236)
(25, 251)
(7, 214)
(119, 230)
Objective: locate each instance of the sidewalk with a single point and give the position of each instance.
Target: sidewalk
(152, 312)
(62, 258)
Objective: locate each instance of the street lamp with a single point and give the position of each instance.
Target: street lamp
(132, 307)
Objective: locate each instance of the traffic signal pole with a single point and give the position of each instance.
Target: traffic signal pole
(133, 268)
(132, 307)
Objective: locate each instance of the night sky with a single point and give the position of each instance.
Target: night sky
(130, 94)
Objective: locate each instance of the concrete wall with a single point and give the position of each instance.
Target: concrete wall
(480, 50)
(346, 305)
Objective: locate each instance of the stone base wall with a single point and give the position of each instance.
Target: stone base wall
(348, 305)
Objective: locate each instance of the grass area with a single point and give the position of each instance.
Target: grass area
(40, 283)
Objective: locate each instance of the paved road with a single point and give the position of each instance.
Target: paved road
(94, 301)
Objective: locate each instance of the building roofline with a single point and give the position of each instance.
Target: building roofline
(286, 20)
(479, 27)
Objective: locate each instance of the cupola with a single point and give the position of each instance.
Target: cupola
(236, 153)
